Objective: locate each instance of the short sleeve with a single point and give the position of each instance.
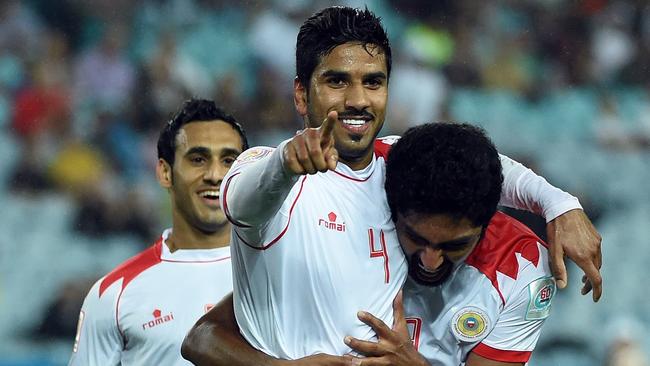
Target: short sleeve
(98, 340)
(519, 326)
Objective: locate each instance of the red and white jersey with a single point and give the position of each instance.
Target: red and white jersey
(140, 312)
(329, 251)
(494, 303)
(310, 251)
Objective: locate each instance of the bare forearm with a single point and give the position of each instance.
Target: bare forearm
(215, 340)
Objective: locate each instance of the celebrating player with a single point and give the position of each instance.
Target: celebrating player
(313, 240)
(480, 285)
(139, 313)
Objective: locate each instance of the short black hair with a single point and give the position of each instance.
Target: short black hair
(193, 110)
(444, 168)
(332, 27)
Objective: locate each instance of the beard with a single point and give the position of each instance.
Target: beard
(425, 277)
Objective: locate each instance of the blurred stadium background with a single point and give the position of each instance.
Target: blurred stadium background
(562, 86)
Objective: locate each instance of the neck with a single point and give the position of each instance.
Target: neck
(184, 236)
(357, 163)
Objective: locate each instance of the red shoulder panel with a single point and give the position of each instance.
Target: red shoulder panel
(383, 145)
(133, 267)
(504, 237)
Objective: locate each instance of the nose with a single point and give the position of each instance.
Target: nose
(431, 258)
(356, 97)
(214, 173)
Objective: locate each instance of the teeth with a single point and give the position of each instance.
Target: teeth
(209, 194)
(354, 122)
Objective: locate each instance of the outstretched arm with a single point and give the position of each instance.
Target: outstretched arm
(570, 232)
(215, 340)
(261, 178)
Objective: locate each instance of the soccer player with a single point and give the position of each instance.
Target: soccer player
(480, 285)
(313, 240)
(139, 313)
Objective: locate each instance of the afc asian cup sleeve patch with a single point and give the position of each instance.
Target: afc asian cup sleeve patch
(541, 292)
(253, 154)
(470, 324)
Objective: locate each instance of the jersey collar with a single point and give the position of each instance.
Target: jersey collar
(192, 255)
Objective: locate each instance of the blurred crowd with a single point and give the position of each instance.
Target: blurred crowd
(86, 85)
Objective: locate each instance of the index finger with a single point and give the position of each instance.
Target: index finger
(399, 322)
(327, 128)
(596, 280)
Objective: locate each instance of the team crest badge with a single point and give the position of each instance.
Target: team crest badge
(469, 324)
(541, 292)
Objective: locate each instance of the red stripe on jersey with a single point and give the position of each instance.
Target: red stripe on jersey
(225, 203)
(354, 179)
(501, 355)
(267, 246)
(133, 267)
(496, 252)
(382, 147)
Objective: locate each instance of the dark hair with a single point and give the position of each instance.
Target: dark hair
(444, 168)
(332, 27)
(193, 110)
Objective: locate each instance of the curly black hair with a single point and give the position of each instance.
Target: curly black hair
(332, 27)
(193, 110)
(444, 168)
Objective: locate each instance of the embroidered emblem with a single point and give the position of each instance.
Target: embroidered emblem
(469, 324)
(541, 292)
(254, 154)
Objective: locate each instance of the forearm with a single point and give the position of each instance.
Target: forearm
(525, 190)
(254, 192)
(215, 340)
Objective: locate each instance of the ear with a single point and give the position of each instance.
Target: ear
(164, 173)
(300, 97)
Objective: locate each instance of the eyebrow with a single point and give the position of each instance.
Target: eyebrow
(334, 73)
(451, 245)
(345, 75)
(202, 150)
(375, 75)
(227, 151)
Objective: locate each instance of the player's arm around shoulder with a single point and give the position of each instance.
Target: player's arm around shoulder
(98, 340)
(215, 340)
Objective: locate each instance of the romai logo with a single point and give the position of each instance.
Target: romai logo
(331, 223)
(158, 319)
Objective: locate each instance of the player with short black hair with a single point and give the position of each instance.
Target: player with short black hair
(139, 313)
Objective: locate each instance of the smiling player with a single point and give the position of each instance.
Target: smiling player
(139, 313)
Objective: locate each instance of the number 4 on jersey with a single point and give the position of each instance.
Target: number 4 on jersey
(379, 251)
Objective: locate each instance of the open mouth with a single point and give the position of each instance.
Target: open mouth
(356, 124)
(210, 198)
(423, 276)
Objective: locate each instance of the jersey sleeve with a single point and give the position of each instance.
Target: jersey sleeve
(98, 340)
(525, 190)
(254, 190)
(519, 326)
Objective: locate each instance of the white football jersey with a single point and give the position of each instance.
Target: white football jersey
(330, 251)
(310, 251)
(140, 312)
(494, 303)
